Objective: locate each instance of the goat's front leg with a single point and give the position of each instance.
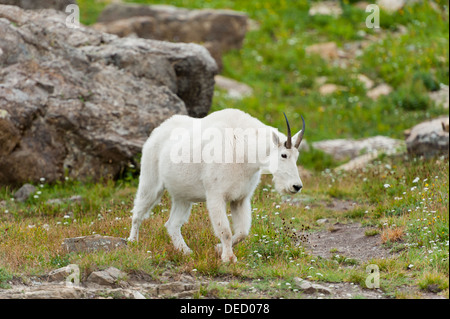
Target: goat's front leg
(217, 209)
(241, 212)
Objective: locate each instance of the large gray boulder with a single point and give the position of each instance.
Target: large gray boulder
(40, 4)
(81, 102)
(218, 30)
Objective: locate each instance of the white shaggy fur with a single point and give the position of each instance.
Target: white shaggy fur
(215, 183)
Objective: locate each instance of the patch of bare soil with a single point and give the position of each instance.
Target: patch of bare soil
(336, 205)
(341, 205)
(347, 240)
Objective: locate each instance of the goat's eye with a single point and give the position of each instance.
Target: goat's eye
(283, 155)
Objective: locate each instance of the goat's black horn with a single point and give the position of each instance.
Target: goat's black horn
(289, 137)
(300, 137)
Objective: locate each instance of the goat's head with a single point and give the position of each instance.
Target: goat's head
(285, 171)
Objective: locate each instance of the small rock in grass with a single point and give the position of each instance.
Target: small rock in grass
(322, 221)
(24, 192)
(330, 88)
(59, 274)
(327, 51)
(107, 277)
(376, 92)
(309, 288)
(331, 8)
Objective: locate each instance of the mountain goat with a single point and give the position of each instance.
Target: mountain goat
(217, 159)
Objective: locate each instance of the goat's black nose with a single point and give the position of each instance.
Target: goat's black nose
(297, 187)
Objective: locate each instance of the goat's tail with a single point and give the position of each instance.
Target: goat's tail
(150, 187)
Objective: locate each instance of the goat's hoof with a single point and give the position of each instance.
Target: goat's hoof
(185, 250)
(227, 259)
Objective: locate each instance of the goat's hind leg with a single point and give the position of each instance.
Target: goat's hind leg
(146, 197)
(179, 215)
(241, 213)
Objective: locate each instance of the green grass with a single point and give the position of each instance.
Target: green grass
(274, 63)
(4, 277)
(274, 252)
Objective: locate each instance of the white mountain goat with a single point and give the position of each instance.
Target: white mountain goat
(222, 158)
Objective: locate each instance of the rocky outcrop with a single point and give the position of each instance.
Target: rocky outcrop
(342, 149)
(40, 4)
(80, 102)
(92, 243)
(218, 30)
(358, 162)
(108, 283)
(429, 138)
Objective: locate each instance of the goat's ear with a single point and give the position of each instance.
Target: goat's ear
(276, 139)
(296, 137)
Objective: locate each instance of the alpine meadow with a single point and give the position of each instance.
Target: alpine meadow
(372, 218)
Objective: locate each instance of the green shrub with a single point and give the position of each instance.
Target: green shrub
(411, 98)
(316, 160)
(427, 79)
(4, 277)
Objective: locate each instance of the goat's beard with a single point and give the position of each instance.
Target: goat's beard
(279, 187)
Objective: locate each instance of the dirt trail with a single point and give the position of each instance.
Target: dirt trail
(347, 240)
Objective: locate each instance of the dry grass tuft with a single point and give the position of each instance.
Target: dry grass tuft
(392, 234)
